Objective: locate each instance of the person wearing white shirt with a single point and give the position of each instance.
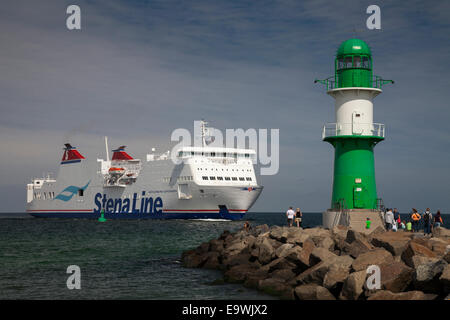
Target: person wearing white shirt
(290, 214)
(389, 219)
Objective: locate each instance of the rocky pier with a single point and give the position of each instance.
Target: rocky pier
(322, 264)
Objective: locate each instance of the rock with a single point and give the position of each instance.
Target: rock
(353, 235)
(312, 292)
(279, 263)
(415, 249)
(316, 274)
(375, 257)
(283, 250)
(212, 260)
(441, 232)
(396, 276)
(252, 279)
(426, 276)
(239, 245)
(279, 233)
(394, 242)
(300, 256)
(216, 245)
(192, 259)
(283, 274)
(296, 236)
(326, 243)
(339, 232)
(236, 259)
(378, 230)
(439, 246)
(418, 260)
(239, 273)
(353, 286)
(334, 279)
(320, 254)
(447, 257)
(409, 295)
(276, 287)
(264, 251)
(260, 229)
(445, 279)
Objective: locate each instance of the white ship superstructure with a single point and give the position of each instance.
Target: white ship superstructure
(207, 182)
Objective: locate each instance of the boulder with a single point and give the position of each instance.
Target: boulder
(239, 273)
(378, 230)
(279, 263)
(426, 277)
(320, 254)
(441, 232)
(326, 243)
(193, 259)
(216, 245)
(418, 260)
(447, 257)
(396, 276)
(339, 232)
(317, 273)
(297, 236)
(252, 278)
(264, 251)
(353, 286)
(236, 259)
(394, 242)
(212, 260)
(416, 249)
(445, 279)
(312, 292)
(409, 295)
(334, 279)
(276, 287)
(375, 257)
(300, 256)
(439, 246)
(283, 274)
(279, 233)
(260, 229)
(284, 250)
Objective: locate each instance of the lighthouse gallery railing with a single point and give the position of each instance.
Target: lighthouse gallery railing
(353, 129)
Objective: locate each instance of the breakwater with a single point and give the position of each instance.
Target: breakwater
(322, 264)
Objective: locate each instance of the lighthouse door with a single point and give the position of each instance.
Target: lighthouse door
(357, 123)
(359, 197)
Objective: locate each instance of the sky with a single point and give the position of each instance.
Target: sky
(137, 70)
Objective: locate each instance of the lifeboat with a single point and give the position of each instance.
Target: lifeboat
(116, 170)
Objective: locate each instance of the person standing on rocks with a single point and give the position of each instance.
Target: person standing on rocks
(415, 216)
(298, 218)
(397, 216)
(438, 219)
(290, 214)
(427, 220)
(389, 219)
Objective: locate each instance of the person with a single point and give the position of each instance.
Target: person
(415, 216)
(427, 220)
(368, 222)
(290, 214)
(397, 216)
(298, 217)
(394, 226)
(389, 219)
(247, 226)
(403, 225)
(438, 219)
(409, 226)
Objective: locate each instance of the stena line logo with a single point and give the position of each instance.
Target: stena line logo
(126, 205)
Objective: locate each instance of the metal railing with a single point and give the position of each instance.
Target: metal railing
(377, 82)
(352, 129)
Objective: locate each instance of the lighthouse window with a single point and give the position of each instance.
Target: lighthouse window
(366, 62)
(348, 62)
(357, 62)
(340, 63)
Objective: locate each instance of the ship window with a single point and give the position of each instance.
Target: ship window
(357, 62)
(192, 153)
(224, 154)
(241, 179)
(227, 178)
(234, 178)
(219, 178)
(80, 192)
(248, 179)
(205, 178)
(212, 178)
(213, 154)
(247, 155)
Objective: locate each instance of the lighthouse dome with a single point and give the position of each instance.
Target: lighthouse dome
(353, 46)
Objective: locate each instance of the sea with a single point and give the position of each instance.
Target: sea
(118, 259)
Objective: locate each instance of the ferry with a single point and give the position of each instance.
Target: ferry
(205, 183)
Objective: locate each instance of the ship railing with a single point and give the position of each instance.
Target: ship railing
(353, 129)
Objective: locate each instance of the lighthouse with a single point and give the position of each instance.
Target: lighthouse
(354, 134)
